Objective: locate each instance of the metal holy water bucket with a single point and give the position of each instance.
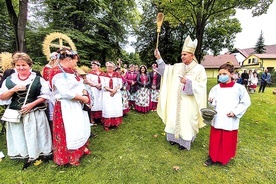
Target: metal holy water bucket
(208, 115)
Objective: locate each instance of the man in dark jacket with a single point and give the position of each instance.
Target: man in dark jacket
(263, 81)
(245, 77)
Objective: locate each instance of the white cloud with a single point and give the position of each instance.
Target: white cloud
(129, 48)
(252, 27)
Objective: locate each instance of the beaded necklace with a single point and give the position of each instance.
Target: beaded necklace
(23, 79)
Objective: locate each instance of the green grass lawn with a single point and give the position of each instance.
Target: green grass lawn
(137, 152)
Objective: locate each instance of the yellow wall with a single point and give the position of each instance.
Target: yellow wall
(260, 65)
(211, 73)
(269, 63)
(255, 62)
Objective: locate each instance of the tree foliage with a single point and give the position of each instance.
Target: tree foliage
(170, 39)
(99, 29)
(260, 46)
(7, 41)
(199, 18)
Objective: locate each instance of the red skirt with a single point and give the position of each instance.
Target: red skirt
(153, 105)
(142, 109)
(109, 122)
(222, 145)
(61, 154)
(125, 111)
(96, 114)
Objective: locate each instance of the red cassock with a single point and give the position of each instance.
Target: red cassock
(222, 145)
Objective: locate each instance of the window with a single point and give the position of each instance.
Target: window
(255, 60)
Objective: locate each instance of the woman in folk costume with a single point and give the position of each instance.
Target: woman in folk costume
(131, 78)
(253, 83)
(94, 79)
(182, 95)
(112, 97)
(155, 79)
(31, 137)
(125, 92)
(47, 68)
(231, 101)
(87, 107)
(46, 75)
(143, 93)
(71, 126)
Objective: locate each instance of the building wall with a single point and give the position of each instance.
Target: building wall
(253, 62)
(269, 63)
(211, 72)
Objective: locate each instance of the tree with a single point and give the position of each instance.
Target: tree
(6, 34)
(198, 15)
(260, 46)
(220, 34)
(99, 29)
(18, 22)
(170, 40)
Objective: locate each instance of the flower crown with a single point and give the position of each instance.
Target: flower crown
(64, 52)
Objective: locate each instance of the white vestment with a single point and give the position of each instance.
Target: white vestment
(186, 107)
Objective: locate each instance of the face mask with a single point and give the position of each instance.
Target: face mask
(223, 78)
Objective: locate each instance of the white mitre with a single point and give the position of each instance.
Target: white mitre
(189, 45)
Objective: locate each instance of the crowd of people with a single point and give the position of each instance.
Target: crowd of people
(250, 79)
(49, 130)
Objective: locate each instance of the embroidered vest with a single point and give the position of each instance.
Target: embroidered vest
(19, 97)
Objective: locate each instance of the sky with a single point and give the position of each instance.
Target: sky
(251, 29)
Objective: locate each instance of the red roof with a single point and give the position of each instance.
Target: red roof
(269, 49)
(210, 61)
(266, 56)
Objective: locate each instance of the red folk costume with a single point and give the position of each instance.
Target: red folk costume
(143, 93)
(46, 72)
(112, 105)
(46, 75)
(125, 96)
(131, 78)
(155, 88)
(96, 110)
(69, 144)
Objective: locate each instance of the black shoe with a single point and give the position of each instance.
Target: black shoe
(208, 162)
(26, 165)
(172, 143)
(93, 135)
(47, 158)
(181, 147)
